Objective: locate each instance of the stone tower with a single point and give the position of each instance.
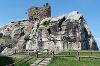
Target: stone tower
(39, 13)
(36, 14)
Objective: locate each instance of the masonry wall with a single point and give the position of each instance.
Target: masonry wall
(37, 14)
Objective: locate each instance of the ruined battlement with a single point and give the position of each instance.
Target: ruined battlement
(39, 13)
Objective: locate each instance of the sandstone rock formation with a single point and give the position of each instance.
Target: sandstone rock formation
(41, 31)
(65, 33)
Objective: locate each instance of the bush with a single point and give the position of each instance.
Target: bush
(46, 23)
(4, 60)
(27, 38)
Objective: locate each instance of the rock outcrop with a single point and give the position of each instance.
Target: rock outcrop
(62, 33)
(17, 32)
(65, 33)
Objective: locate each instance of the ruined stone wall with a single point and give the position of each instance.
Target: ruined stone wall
(38, 14)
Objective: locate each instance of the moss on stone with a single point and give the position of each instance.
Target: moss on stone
(46, 23)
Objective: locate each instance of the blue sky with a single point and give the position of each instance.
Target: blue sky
(12, 10)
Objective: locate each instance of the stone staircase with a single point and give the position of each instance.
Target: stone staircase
(41, 62)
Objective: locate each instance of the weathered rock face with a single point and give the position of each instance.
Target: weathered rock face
(61, 33)
(16, 33)
(7, 51)
(1, 48)
(13, 36)
(1, 35)
(64, 33)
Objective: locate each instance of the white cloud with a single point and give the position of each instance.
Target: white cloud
(98, 38)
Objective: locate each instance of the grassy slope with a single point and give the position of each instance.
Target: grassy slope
(20, 63)
(17, 60)
(71, 61)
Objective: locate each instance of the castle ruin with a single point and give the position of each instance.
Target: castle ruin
(38, 14)
(62, 33)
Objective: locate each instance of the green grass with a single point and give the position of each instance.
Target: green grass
(21, 63)
(65, 61)
(74, 53)
(72, 61)
(61, 59)
(67, 53)
(89, 54)
(18, 59)
(24, 62)
(4, 60)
